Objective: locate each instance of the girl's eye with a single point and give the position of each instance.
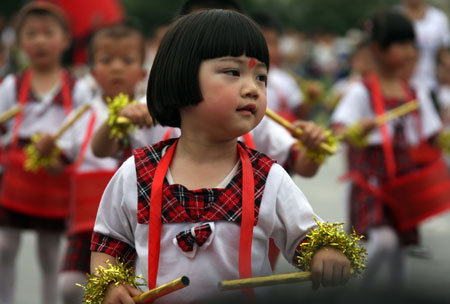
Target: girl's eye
(262, 78)
(129, 60)
(105, 59)
(233, 72)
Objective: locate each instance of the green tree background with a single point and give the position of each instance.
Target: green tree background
(305, 15)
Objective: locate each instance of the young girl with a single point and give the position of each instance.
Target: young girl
(117, 54)
(389, 151)
(37, 201)
(214, 202)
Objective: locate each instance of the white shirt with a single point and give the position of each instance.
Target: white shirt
(282, 86)
(73, 139)
(41, 116)
(285, 215)
(432, 33)
(357, 105)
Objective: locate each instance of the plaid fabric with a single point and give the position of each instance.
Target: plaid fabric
(78, 254)
(183, 205)
(366, 210)
(58, 99)
(113, 247)
(186, 239)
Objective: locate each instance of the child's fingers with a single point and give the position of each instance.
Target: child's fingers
(337, 277)
(316, 274)
(132, 291)
(346, 273)
(327, 276)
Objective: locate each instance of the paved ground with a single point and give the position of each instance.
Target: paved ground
(429, 279)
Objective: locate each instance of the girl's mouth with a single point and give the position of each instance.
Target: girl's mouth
(251, 108)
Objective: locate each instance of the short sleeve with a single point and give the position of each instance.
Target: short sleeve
(117, 214)
(354, 105)
(273, 140)
(293, 215)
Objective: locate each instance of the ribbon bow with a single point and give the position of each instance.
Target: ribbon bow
(196, 235)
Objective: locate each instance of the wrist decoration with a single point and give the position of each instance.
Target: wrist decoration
(443, 141)
(115, 105)
(355, 137)
(332, 235)
(319, 155)
(97, 284)
(35, 160)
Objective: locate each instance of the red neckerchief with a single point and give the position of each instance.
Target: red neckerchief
(24, 91)
(379, 108)
(248, 214)
(248, 140)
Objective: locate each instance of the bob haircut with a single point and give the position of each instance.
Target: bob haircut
(388, 27)
(173, 81)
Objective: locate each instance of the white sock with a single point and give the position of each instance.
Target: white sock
(49, 257)
(9, 248)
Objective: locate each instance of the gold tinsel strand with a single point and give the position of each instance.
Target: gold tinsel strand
(355, 137)
(332, 235)
(444, 141)
(115, 105)
(35, 160)
(95, 289)
(319, 155)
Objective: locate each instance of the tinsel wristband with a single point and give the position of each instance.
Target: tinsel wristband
(162, 290)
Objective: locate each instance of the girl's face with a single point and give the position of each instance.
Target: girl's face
(398, 55)
(234, 97)
(117, 65)
(44, 40)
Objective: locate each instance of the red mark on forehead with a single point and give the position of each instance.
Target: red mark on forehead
(252, 63)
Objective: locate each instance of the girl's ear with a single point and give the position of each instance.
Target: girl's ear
(66, 42)
(376, 49)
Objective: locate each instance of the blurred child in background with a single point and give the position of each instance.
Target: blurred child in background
(46, 93)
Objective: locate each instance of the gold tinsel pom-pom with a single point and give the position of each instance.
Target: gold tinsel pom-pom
(95, 289)
(319, 155)
(115, 105)
(35, 160)
(332, 235)
(443, 141)
(354, 136)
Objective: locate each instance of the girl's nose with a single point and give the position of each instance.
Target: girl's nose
(250, 89)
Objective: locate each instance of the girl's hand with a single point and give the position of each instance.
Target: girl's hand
(367, 125)
(312, 134)
(138, 114)
(45, 144)
(329, 267)
(120, 294)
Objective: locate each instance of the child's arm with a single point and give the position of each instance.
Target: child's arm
(103, 145)
(310, 138)
(120, 294)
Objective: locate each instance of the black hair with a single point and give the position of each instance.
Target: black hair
(42, 9)
(116, 32)
(173, 81)
(389, 26)
(190, 6)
